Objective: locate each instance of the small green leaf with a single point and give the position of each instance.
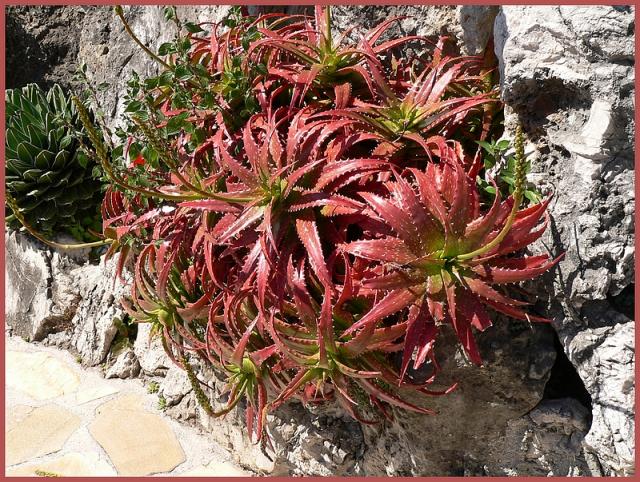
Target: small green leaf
(60, 161)
(182, 72)
(192, 27)
(33, 174)
(503, 145)
(82, 158)
(176, 123)
(166, 48)
(134, 106)
(151, 83)
(169, 12)
(44, 159)
(66, 141)
(487, 146)
(185, 44)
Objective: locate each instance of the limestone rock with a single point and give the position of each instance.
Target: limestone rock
(175, 385)
(50, 294)
(41, 297)
(472, 25)
(126, 365)
(95, 321)
(471, 421)
(421, 19)
(567, 75)
(151, 356)
(576, 102)
(545, 441)
(605, 360)
(186, 410)
(41, 46)
(476, 25)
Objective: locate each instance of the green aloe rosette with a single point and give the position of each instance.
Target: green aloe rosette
(46, 171)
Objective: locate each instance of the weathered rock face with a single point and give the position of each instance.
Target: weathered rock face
(97, 316)
(605, 360)
(567, 75)
(51, 296)
(545, 441)
(41, 45)
(126, 365)
(152, 357)
(41, 296)
(471, 25)
(471, 421)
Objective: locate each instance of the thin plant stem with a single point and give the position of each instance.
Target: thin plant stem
(517, 199)
(120, 14)
(13, 205)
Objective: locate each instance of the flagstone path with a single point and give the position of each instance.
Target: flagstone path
(65, 420)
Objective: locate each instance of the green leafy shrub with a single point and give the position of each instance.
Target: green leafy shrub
(47, 172)
(299, 209)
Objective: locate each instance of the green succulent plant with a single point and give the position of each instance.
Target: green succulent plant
(47, 172)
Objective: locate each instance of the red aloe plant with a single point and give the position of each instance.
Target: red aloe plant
(446, 257)
(307, 55)
(423, 109)
(292, 246)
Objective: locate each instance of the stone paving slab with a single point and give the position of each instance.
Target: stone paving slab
(43, 431)
(137, 442)
(40, 376)
(71, 464)
(65, 420)
(91, 393)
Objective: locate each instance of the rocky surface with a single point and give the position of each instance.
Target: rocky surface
(151, 356)
(550, 400)
(568, 76)
(41, 45)
(545, 441)
(605, 360)
(51, 296)
(41, 295)
(126, 365)
(471, 25)
(99, 313)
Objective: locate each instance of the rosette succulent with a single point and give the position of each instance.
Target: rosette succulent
(47, 172)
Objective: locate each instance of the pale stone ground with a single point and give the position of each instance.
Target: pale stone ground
(66, 420)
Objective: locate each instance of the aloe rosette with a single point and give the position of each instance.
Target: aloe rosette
(47, 173)
(445, 258)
